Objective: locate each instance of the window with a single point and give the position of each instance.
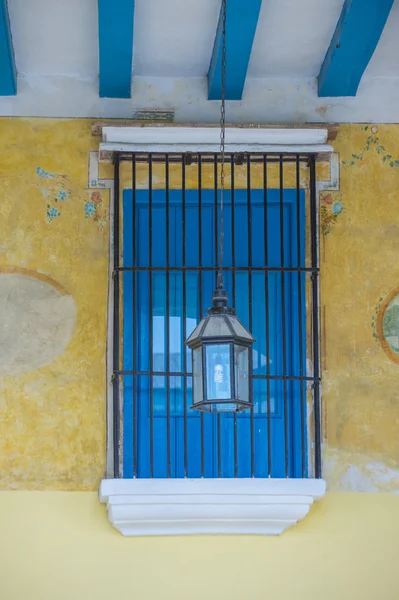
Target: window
(166, 253)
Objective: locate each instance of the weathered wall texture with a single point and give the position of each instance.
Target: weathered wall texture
(53, 292)
(360, 280)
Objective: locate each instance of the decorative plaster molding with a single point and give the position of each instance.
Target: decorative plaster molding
(95, 182)
(206, 139)
(160, 121)
(141, 507)
(332, 184)
(211, 135)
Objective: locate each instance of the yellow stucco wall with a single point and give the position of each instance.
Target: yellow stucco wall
(360, 268)
(58, 545)
(55, 231)
(52, 419)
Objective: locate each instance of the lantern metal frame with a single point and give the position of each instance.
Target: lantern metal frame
(197, 340)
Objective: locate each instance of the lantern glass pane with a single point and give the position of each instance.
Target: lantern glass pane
(218, 380)
(241, 372)
(198, 389)
(239, 329)
(217, 327)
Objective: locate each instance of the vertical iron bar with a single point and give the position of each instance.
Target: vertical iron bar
(134, 319)
(167, 341)
(315, 312)
(116, 332)
(283, 323)
(300, 328)
(315, 315)
(215, 218)
(215, 211)
(233, 292)
(249, 211)
(200, 294)
(150, 318)
(266, 258)
(183, 177)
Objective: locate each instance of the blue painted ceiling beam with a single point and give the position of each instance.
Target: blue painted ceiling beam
(356, 37)
(8, 73)
(241, 20)
(115, 33)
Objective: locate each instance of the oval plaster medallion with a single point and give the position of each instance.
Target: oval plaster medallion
(388, 325)
(37, 320)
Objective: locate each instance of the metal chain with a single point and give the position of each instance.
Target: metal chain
(222, 144)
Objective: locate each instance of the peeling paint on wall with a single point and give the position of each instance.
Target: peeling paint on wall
(37, 320)
(355, 472)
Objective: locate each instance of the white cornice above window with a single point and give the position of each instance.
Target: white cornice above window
(142, 507)
(207, 139)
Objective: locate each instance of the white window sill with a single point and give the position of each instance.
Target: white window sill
(141, 507)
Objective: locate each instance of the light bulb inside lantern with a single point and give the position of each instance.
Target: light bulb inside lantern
(218, 374)
(218, 368)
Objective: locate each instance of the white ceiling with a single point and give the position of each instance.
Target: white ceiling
(385, 60)
(174, 38)
(56, 48)
(292, 37)
(55, 36)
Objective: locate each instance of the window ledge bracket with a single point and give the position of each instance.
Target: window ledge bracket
(143, 507)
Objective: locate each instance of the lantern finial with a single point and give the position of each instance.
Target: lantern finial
(220, 303)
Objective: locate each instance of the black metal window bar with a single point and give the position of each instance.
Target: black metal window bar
(302, 174)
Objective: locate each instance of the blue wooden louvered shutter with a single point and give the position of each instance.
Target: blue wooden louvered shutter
(285, 418)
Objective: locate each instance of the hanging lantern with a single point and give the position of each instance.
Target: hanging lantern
(220, 344)
(220, 347)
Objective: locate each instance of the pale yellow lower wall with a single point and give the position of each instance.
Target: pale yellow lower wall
(60, 546)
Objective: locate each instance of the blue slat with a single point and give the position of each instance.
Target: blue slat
(8, 73)
(356, 37)
(115, 32)
(241, 21)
